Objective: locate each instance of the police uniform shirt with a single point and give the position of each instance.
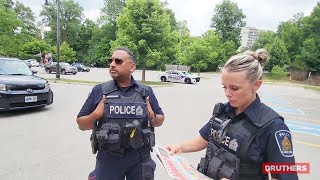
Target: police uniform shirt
(96, 95)
(273, 144)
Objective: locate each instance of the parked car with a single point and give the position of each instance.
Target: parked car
(32, 62)
(63, 67)
(81, 67)
(28, 63)
(178, 76)
(20, 88)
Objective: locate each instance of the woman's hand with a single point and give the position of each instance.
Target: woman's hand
(173, 149)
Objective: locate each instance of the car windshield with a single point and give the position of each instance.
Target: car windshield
(64, 64)
(185, 73)
(12, 67)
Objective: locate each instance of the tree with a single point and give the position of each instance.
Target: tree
(279, 72)
(310, 55)
(8, 30)
(264, 38)
(278, 53)
(144, 27)
(197, 54)
(291, 32)
(228, 21)
(83, 40)
(29, 28)
(71, 14)
(35, 46)
(111, 10)
(67, 54)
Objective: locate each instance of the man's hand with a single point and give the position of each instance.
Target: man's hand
(151, 114)
(98, 112)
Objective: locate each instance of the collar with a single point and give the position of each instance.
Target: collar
(133, 82)
(251, 111)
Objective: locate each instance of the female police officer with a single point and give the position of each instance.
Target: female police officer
(121, 107)
(243, 133)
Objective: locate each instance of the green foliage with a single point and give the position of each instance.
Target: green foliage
(144, 27)
(71, 14)
(278, 53)
(29, 49)
(9, 36)
(29, 28)
(111, 10)
(265, 38)
(279, 72)
(67, 54)
(292, 34)
(310, 55)
(228, 21)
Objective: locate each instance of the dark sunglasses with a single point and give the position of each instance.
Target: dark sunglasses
(118, 61)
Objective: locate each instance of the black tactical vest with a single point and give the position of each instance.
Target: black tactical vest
(124, 120)
(236, 140)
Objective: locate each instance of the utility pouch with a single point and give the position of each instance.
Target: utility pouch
(147, 171)
(214, 167)
(148, 138)
(109, 136)
(202, 166)
(224, 165)
(93, 138)
(226, 172)
(136, 137)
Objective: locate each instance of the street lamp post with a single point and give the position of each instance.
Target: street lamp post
(58, 38)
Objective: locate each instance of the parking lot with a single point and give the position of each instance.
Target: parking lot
(47, 144)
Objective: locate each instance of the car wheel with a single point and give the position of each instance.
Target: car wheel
(163, 79)
(187, 81)
(48, 70)
(63, 71)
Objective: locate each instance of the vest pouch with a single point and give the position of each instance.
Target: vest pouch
(112, 139)
(213, 167)
(226, 172)
(136, 137)
(148, 137)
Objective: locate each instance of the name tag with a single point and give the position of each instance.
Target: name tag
(126, 110)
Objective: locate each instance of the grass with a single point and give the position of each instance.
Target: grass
(71, 81)
(269, 79)
(314, 88)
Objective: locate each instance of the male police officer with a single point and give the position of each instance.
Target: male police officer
(126, 111)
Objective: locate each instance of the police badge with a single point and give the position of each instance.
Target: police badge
(283, 138)
(233, 145)
(139, 111)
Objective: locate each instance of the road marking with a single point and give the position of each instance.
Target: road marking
(276, 101)
(288, 110)
(306, 128)
(306, 143)
(301, 118)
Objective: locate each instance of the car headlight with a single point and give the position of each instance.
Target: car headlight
(47, 86)
(3, 87)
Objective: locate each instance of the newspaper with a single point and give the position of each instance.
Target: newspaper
(177, 167)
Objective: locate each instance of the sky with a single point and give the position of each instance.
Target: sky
(261, 14)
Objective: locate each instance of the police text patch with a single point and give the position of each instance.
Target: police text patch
(284, 141)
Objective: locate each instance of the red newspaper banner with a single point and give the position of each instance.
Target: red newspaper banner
(286, 168)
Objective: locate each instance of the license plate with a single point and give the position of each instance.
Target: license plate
(28, 99)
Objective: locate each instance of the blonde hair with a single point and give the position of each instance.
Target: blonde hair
(248, 61)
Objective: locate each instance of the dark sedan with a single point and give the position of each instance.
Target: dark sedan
(19, 88)
(81, 67)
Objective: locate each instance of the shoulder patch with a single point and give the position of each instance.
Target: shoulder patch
(284, 141)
